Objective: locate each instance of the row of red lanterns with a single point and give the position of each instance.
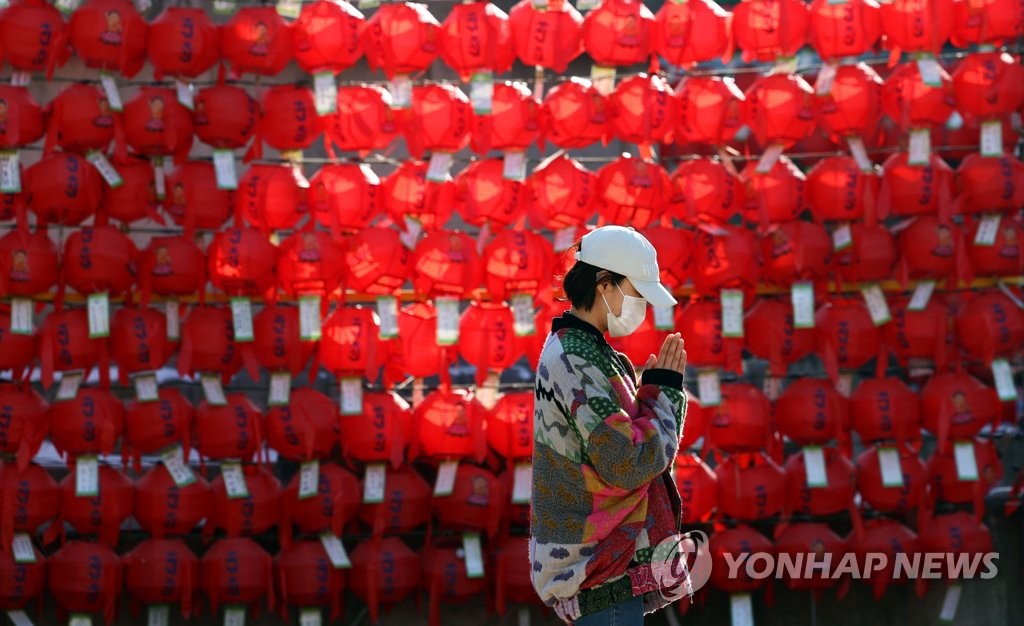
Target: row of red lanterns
(402, 38)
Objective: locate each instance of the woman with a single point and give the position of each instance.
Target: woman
(603, 494)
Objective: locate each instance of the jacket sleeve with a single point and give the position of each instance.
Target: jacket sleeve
(629, 443)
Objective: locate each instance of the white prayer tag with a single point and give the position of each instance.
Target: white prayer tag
(845, 384)
(524, 615)
(310, 617)
(87, 476)
(223, 7)
(842, 237)
(325, 91)
(522, 483)
(709, 388)
(186, 98)
(664, 317)
(173, 320)
(159, 178)
(860, 154)
(439, 167)
(515, 166)
(374, 482)
(585, 5)
(224, 167)
(474, 555)
(158, 615)
(146, 388)
(540, 4)
(603, 79)
(68, 6)
(826, 76)
(21, 317)
(481, 92)
(413, 229)
(111, 92)
(525, 318)
(309, 318)
(289, 8)
(351, 396)
(335, 551)
(234, 616)
(966, 462)
(106, 170)
(387, 311)
(769, 158)
(280, 389)
(814, 467)
(234, 480)
(565, 238)
(741, 610)
(368, 4)
(877, 306)
(24, 551)
(80, 620)
(69, 384)
(1003, 376)
(401, 92)
(889, 464)
(21, 79)
(445, 483)
(922, 294)
(213, 391)
(447, 320)
(930, 71)
(10, 172)
(988, 230)
(241, 318)
(732, 313)
(802, 297)
(920, 147)
(19, 618)
(950, 603)
(772, 388)
(309, 479)
(99, 315)
(174, 461)
(991, 139)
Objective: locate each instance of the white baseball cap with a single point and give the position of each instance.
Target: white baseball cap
(623, 250)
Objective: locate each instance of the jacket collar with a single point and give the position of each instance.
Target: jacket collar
(568, 320)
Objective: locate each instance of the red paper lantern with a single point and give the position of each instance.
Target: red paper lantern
(230, 431)
(406, 504)
(256, 513)
(710, 110)
(777, 195)
(844, 30)
(796, 251)
(807, 539)
(33, 496)
(918, 334)
(514, 578)
(327, 37)
(17, 352)
(642, 110)
(701, 320)
(674, 248)
(23, 421)
(487, 338)
(63, 188)
(706, 191)
(486, 197)
(990, 184)
(102, 514)
(21, 117)
(406, 192)
(307, 578)
(853, 107)
(288, 118)
(86, 578)
(377, 262)
(510, 425)
(990, 326)
(172, 266)
(725, 260)
(1003, 258)
(183, 41)
(742, 421)
(194, 199)
(241, 262)
(401, 39)
(517, 262)
(364, 120)
(562, 193)
(698, 488)
(766, 29)
(28, 263)
(832, 499)
(686, 33)
(446, 263)
(66, 345)
(986, 21)
(988, 85)
(811, 412)
(344, 197)
(164, 509)
(958, 534)
(838, 191)
(417, 330)
(450, 424)
(909, 102)
(550, 38)
(440, 120)
(162, 571)
(34, 36)
(152, 427)
(305, 428)
(920, 26)
(891, 499)
(271, 197)
(871, 256)
(278, 346)
(80, 120)
(351, 344)
(224, 116)
(156, 123)
(513, 124)
(846, 335)
(574, 114)
(932, 250)
(477, 501)
(208, 343)
(779, 108)
(383, 573)
(885, 409)
(476, 37)
(310, 262)
(739, 543)
(445, 578)
(257, 40)
(957, 406)
(944, 478)
(750, 487)
(135, 199)
(236, 572)
(335, 503)
(100, 259)
(770, 335)
(618, 32)
(21, 583)
(138, 341)
(382, 438)
(109, 35)
(887, 537)
(633, 191)
(90, 423)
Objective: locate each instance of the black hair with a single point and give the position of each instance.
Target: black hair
(581, 281)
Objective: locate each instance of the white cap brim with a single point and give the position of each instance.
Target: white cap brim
(654, 292)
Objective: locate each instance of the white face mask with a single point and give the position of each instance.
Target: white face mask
(634, 310)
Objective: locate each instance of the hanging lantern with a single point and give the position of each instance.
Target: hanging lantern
(957, 534)
(513, 574)
(194, 199)
(103, 514)
(633, 191)
(990, 184)
(23, 421)
(990, 326)
(162, 571)
(918, 334)
(164, 509)
(513, 124)
(765, 29)
(776, 195)
(449, 424)
(550, 38)
(476, 37)
(988, 85)
(986, 22)
(742, 421)
(811, 412)
(382, 438)
(779, 107)
(310, 262)
(406, 503)
(885, 409)
(883, 536)
(487, 197)
(846, 335)
(417, 331)
(271, 197)
(618, 32)
(574, 114)
(517, 262)
(701, 320)
(510, 425)
(844, 31)
(750, 487)
(833, 499)
(17, 352)
(406, 192)
(383, 573)
(706, 191)
(183, 41)
(739, 543)
(477, 501)
(236, 572)
(697, 486)
(674, 247)
(838, 191)
(86, 577)
(957, 406)
(871, 255)
(21, 122)
(686, 33)
(335, 503)
(562, 193)
(909, 102)
(853, 106)
(99, 259)
(12, 204)
(66, 345)
(80, 120)
(172, 266)
(257, 40)
(401, 39)
(33, 496)
(944, 477)
(1003, 258)
(642, 110)
(256, 513)
(152, 427)
(364, 120)
(208, 343)
(725, 260)
(891, 499)
(932, 250)
(224, 116)
(90, 423)
(796, 251)
(377, 262)
(486, 337)
(288, 118)
(710, 110)
(327, 37)
(230, 431)
(240, 261)
(34, 36)
(446, 263)
(21, 584)
(807, 539)
(351, 344)
(770, 334)
(344, 197)
(922, 26)
(305, 428)
(307, 578)
(63, 188)
(155, 123)
(109, 35)
(277, 344)
(445, 578)
(440, 120)
(138, 341)
(135, 199)
(28, 263)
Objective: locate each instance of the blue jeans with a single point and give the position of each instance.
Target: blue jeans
(628, 613)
